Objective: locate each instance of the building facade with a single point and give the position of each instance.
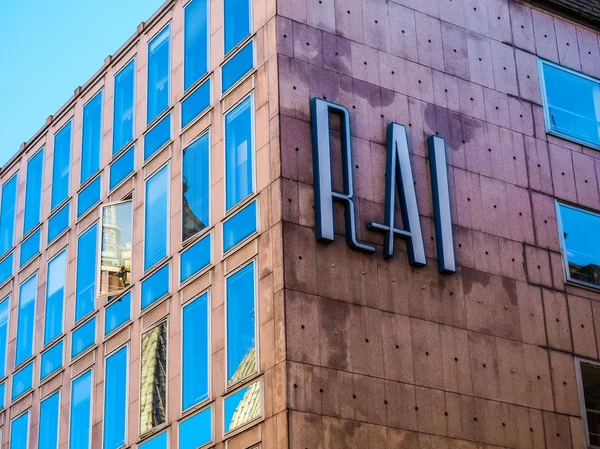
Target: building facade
(201, 248)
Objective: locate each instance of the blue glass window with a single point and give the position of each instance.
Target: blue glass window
(55, 297)
(7, 214)
(115, 400)
(195, 41)
(124, 107)
(83, 337)
(59, 222)
(61, 170)
(239, 153)
(239, 227)
(157, 204)
(2, 395)
(26, 319)
(88, 196)
(49, 424)
(157, 442)
(195, 258)
(237, 22)
(4, 312)
(6, 267)
(572, 104)
(242, 407)
(238, 66)
(81, 410)
(52, 360)
(92, 137)
(241, 333)
(196, 187)
(155, 287)
(19, 432)
(122, 167)
(85, 289)
(117, 313)
(195, 103)
(30, 247)
(196, 431)
(33, 192)
(22, 381)
(157, 137)
(195, 354)
(158, 73)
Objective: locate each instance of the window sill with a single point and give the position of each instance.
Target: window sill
(584, 285)
(199, 407)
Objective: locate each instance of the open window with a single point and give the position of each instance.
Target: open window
(116, 247)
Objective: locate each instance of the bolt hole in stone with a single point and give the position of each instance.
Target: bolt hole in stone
(429, 40)
(564, 382)
(456, 359)
(295, 385)
(484, 365)
(285, 36)
(475, 419)
(294, 87)
(417, 408)
(302, 326)
(353, 396)
(337, 53)
(297, 149)
(445, 413)
(308, 43)
(365, 62)
(300, 257)
(397, 346)
(321, 390)
(487, 253)
(446, 90)
(539, 267)
(385, 402)
(289, 200)
(503, 424)
(513, 259)
(366, 340)
(427, 353)
(460, 245)
(393, 72)
(539, 377)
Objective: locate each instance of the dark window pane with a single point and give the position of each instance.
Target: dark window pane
(26, 319)
(61, 169)
(85, 290)
(49, 422)
(19, 430)
(195, 103)
(239, 227)
(242, 407)
(83, 338)
(122, 167)
(55, 297)
(155, 287)
(4, 311)
(59, 222)
(30, 247)
(33, 191)
(22, 381)
(6, 267)
(81, 411)
(196, 431)
(115, 400)
(195, 258)
(237, 22)
(7, 214)
(52, 360)
(157, 137)
(156, 220)
(117, 313)
(195, 354)
(196, 187)
(153, 396)
(238, 66)
(88, 196)
(124, 96)
(115, 261)
(196, 41)
(158, 74)
(92, 137)
(239, 153)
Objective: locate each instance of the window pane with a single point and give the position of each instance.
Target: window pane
(85, 290)
(196, 41)
(155, 287)
(2, 396)
(157, 137)
(239, 153)
(158, 74)
(22, 381)
(92, 136)
(30, 247)
(61, 169)
(88, 196)
(117, 226)
(237, 22)
(195, 103)
(55, 297)
(33, 191)
(26, 319)
(582, 243)
(195, 352)
(59, 222)
(4, 312)
(573, 104)
(122, 167)
(242, 407)
(196, 431)
(123, 119)
(155, 242)
(83, 338)
(117, 313)
(153, 397)
(52, 360)
(6, 267)
(238, 66)
(241, 341)
(19, 432)
(7, 214)
(158, 442)
(196, 187)
(49, 424)
(195, 258)
(115, 400)
(81, 392)
(240, 226)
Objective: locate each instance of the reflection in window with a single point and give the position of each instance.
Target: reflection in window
(195, 187)
(195, 258)
(81, 411)
(30, 247)
(590, 378)
(49, 425)
(241, 338)
(156, 219)
(122, 167)
(26, 319)
(237, 22)
(195, 41)
(157, 442)
(238, 66)
(115, 400)
(92, 136)
(59, 222)
(195, 352)
(153, 396)
(33, 191)
(581, 244)
(156, 286)
(115, 260)
(239, 227)
(242, 407)
(19, 432)
(52, 360)
(4, 311)
(158, 73)
(238, 153)
(196, 431)
(22, 381)
(117, 313)
(85, 290)
(62, 166)
(123, 119)
(7, 214)
(83, 337)
(55, 297)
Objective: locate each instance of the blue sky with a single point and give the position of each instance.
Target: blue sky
(50, 48)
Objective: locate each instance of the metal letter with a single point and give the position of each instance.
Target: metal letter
(400, 179)
(324, 193)
(441, 204)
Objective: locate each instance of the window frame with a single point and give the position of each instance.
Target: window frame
(115, 154)
(92, 175)
(146, 272)
(227, 54)
(107, 304)
(246, 426)
(238, 209)
(8, 298)
(150, 123)
(88, 228)
(15, 176)
(28, 437)
(189, 243)
(42, 399)
(48, 348)
(545, 104)
(91, 180)
(35, 311)
(73, 379)
(42, 150)
(581, 397)
(51, 342)
(248, 40)
(127, 346)
(191, 413)
(187, 92)
(60, 204)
